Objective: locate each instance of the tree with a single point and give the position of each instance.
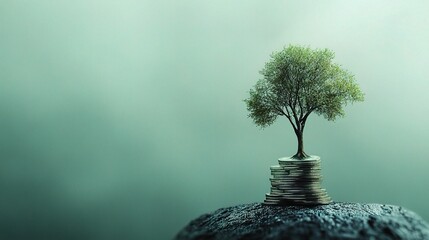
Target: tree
(298, 81)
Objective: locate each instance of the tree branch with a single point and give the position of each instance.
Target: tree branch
(296, 119)
(290, 120)
(305, 117)
(288, 113)
(300, 108)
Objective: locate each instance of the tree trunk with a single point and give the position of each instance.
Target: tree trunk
(300, 154)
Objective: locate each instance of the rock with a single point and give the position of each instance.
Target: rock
(332, 221)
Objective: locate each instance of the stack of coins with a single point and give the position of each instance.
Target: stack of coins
(297, 182)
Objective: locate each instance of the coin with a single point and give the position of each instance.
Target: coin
(297, 182)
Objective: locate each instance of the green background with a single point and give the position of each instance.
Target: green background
(125, 120)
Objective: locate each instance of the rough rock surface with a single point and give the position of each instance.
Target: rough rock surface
(333, 221)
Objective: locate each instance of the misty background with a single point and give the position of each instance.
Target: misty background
(125, 119)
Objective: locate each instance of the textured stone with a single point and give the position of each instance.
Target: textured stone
(333, 221)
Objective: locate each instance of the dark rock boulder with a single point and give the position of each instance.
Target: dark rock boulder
(333, 221)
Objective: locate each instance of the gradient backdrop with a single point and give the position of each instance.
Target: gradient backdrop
(125, 120)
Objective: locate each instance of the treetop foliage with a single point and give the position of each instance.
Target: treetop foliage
(298, 81)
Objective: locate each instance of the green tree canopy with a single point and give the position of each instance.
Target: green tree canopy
(298, 81)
